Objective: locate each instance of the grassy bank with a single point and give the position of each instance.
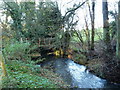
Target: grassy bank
(22, 75)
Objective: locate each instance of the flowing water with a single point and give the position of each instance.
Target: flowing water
(77, 76)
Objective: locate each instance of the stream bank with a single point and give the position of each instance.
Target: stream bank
(108, 69)
(76, 75)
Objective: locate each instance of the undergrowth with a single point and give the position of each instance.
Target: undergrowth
(22, 75)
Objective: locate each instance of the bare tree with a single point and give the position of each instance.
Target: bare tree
(92, 17)
(106, 33)
(69, 25)
(87, 32)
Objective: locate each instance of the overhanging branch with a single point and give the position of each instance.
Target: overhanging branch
(74, 8)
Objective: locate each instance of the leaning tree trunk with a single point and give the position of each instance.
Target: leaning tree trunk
(106, 34)
(118, 33)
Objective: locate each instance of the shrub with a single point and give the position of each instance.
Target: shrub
(17, 51)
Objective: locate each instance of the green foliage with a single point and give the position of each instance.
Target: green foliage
(33, 23)
(18, 50)
(23, 67)
(22, 75)
(45, 21)
(24, 80)
(14, 10)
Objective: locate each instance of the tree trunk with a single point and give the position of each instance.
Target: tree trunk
(87, 32)
(106, 34)
(66, 42)
(2, 64)
(4, 73)
(92, 17)
(118, 33)
(93, 25)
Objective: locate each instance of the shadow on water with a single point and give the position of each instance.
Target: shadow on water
(76, 75)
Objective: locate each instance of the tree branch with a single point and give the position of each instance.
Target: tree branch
(75, 8)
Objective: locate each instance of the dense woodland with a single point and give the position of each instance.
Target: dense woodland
(30, 34)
